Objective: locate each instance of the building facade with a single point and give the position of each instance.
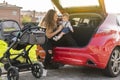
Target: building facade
(8, 11)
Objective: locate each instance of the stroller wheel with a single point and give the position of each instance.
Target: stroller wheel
(0, 71)
(6, 66)
(37, 70)
(13, 73)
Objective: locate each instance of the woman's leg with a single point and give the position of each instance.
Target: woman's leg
(48, 49)
(47, 60)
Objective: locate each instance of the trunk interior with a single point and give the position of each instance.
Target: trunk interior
(85, 26)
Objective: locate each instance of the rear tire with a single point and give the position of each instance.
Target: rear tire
(113, 67)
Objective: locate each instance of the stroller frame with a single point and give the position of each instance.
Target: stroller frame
(13, 66)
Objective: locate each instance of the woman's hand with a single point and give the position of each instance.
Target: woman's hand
(50, 33)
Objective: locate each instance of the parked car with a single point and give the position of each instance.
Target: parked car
(97, 34)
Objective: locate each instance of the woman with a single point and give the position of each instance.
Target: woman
(51, 29)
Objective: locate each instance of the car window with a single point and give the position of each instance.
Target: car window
(76, 22)
(86, 21)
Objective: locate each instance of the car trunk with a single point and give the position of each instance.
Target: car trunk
(85, 17)
(85, 26)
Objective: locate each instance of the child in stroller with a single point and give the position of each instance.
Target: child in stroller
(18, 38)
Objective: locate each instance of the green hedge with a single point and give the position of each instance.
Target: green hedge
(30, 23)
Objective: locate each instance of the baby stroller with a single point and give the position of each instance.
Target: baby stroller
(18, 39)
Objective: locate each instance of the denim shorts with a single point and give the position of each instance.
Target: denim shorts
(65, 30)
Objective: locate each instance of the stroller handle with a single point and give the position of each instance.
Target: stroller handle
(28, 30)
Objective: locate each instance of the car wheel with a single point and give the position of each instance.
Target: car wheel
(113, 67)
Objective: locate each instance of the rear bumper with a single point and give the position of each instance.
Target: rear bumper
(79, 58)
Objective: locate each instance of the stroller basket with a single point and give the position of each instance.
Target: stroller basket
(33, 37)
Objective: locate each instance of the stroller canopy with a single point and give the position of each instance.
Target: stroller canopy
(8, 26)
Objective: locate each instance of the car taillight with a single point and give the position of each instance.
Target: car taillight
(105, 32)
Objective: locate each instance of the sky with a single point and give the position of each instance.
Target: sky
(113, 6)
(38, 5)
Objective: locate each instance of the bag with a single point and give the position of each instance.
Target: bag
(37, 37)
(33, 37)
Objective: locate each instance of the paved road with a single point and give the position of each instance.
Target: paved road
(69, 73)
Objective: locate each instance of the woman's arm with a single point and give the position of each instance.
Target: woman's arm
(50, 33)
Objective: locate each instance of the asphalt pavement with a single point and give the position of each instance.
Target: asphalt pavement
(67, 73)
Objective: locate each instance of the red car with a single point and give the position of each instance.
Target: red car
(97, 34)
